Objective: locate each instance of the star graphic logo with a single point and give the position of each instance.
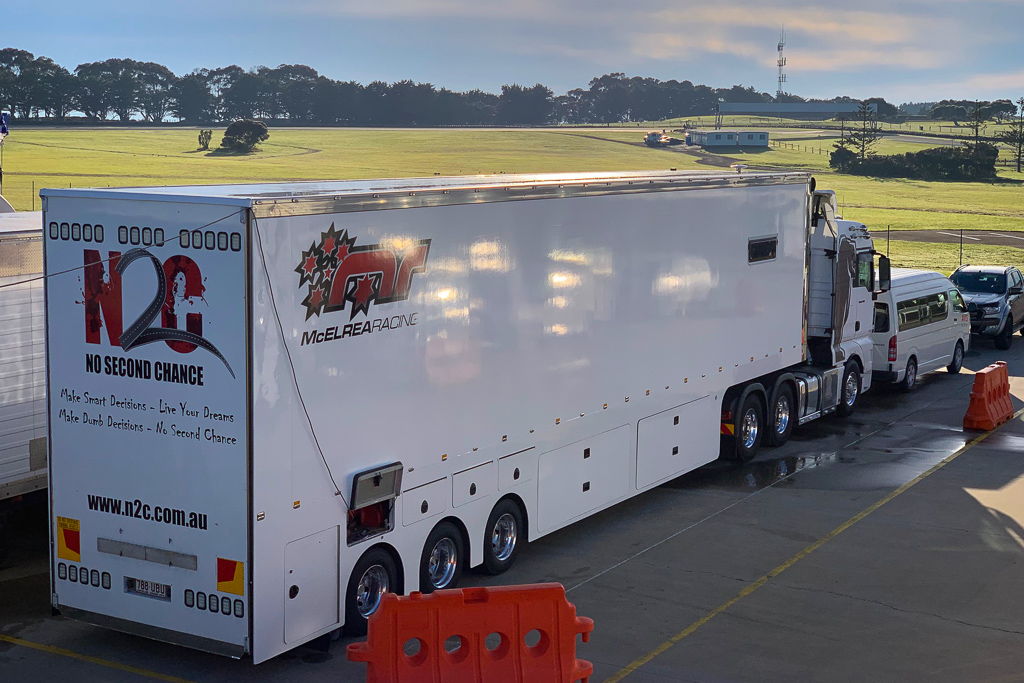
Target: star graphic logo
(363, 293)
(335, 273)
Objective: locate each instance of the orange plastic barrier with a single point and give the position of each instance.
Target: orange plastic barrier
(990, 398)
(506, 633)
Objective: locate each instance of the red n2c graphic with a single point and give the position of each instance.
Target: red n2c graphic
(177, 277)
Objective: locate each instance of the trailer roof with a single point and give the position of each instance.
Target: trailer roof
(260, 193)
(20, 221)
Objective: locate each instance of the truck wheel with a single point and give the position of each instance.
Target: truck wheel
(910, 376)
(504, 536)
(958, 359)
(374, 575)
(782, 416)
(442, 559)
(849, 390)
(1005, 338)
(749, 428)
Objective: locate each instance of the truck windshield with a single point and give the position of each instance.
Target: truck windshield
(987, 283)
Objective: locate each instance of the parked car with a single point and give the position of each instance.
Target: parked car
(995, 299)
(921, 324)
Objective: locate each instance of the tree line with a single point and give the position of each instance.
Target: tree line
(34, 87)
(126, 89)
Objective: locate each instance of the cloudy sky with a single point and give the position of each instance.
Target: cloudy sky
(903, 50)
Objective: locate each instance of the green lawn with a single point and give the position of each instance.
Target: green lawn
(113, 157)
(37, 158)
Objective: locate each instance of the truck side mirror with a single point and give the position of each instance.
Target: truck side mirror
(884, 274)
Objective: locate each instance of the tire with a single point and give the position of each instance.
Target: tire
(749, 432)
(504, 536)
(958, 359)
(444, 555)
(849, 390)
(782, 416)
(376, 565)
(909, 375)
(1005, 337)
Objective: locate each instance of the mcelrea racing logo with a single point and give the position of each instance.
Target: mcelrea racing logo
(336, 272)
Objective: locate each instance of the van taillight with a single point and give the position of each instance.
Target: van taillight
(892, 348)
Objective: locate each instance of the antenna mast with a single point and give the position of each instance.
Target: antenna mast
(782, 63)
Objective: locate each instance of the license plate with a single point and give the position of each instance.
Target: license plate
(150, 589)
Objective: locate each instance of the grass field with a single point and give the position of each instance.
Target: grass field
(101, 157)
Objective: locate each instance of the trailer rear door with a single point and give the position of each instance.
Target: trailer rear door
(148, 412)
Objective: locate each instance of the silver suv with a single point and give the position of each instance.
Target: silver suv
(995, 299)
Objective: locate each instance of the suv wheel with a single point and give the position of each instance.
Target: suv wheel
(1005, 337)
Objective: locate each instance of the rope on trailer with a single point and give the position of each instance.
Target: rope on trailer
(291, 364)
(107, 260)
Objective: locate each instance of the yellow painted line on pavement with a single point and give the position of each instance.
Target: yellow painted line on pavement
(765, 578)
(92, 660)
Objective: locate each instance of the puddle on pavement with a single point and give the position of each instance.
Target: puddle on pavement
(756, 474)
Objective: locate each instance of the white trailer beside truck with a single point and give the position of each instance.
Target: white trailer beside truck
(271, 403)
(22, 361)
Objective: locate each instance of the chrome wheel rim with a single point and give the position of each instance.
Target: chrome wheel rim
(781, 414)
(749, 427)
(503, 537)
(443, 561)
(851, 390)
(373, 584)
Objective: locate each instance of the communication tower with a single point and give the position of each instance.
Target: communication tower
(782, 65)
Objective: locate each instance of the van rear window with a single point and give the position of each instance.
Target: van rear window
(922, 310)
(881, 317)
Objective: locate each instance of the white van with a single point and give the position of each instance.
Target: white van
(921, 324)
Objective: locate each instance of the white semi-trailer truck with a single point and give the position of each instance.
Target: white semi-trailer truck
(270, 404)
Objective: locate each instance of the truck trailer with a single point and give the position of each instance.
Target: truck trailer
(22, 362)
(270, 404)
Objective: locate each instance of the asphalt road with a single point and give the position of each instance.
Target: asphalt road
(886, 546)
(998, 239)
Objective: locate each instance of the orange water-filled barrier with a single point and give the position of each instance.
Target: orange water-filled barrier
(990, 398)
(506, 633)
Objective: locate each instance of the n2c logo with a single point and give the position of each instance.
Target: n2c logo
(102, 299)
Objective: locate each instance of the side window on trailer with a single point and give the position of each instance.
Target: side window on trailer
(762, 249)
(881, 317)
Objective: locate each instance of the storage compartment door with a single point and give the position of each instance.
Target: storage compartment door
(310, 585)
(676, 440)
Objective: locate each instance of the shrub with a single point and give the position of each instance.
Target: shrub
(971, 162)
(204, 138)
(244, 134)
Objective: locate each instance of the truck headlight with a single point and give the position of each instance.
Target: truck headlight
(992, 308)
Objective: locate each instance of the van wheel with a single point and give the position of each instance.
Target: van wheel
(782, 417)
(505, 536)
(442, 559)
(849, 390)
(374, 575)
(958, 359)
(1005, 338)
(910, 376)
(749, 431)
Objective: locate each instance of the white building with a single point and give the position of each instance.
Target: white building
(728, 138)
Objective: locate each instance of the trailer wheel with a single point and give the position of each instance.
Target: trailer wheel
(442, 558)
(782, 416)
(849, 390)
(374, 575)
(749, 428)
(504, 537)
